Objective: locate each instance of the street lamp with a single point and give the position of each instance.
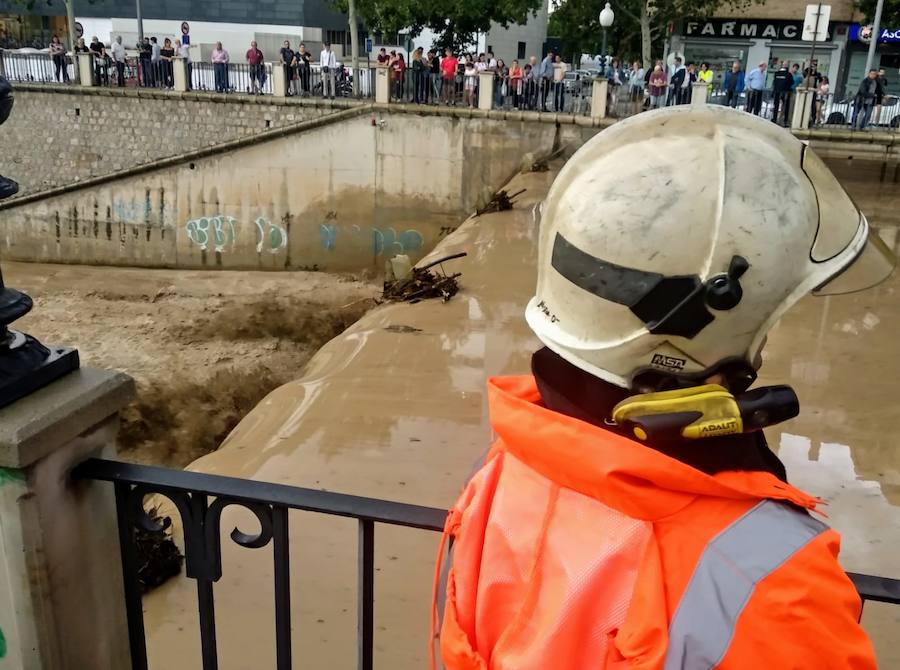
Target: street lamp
(607, 16)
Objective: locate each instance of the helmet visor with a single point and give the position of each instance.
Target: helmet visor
(874, 263)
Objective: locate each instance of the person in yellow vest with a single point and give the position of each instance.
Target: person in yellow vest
(705, 74)
(630, 513)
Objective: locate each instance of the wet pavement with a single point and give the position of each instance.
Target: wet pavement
(400, 413)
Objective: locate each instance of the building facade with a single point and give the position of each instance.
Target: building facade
(772, 32)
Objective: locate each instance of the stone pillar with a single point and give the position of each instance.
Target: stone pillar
(86, 69)
(63, 602)
(802, 107)
(279, 81)
(598, 98)
(382, 85)
(179, 69)
(699, 91)
(485, 90)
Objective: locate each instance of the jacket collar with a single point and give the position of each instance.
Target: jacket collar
(625, 475)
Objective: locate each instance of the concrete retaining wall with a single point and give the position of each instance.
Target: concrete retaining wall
(60, 135)
(344, 192)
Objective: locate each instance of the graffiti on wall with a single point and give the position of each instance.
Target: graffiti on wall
(220, 233)
(384, 241)
(131, 210)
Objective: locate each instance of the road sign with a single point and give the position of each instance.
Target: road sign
(815, 25)
(79, 29)
(185, 28)
(369, 45)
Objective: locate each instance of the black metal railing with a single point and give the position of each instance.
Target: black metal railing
(201, 498)
(38, 68)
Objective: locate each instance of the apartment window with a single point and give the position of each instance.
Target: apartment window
(522, 47)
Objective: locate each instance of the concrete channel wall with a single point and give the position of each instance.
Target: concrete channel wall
(341, 192)
(59, 135)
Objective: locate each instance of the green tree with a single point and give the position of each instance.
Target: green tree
(890, 13)
(579, 21)
(455, 23)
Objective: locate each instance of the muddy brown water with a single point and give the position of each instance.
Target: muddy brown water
(395, 408)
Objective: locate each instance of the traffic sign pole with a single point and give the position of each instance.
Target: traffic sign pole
(876, 33)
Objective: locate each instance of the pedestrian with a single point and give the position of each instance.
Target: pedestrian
(81, 47)
(58, 55)
(328, 67)
(118, 57)
(471, 75)
(545, 77)
(286, 58)
(658, 86)
(529, 86)
(220, 59)
(515, 83)
(822, 99)
(398, 72)
(677, 74)
(434, 77)
(166, 56)
(418, 74)
(559, 84)
(383, 58)
(687, 87)
(303, 68)
(706, 75)
(256, 65)
(636, 86)
(782, 83)
(615, 78)
(492, 63)
(184, 51)
(880, 92)
(501, 82)
(756, 85)
(145, 53)
(734, 84)
(155, 62)
(448, 72)
(98, 56)
(865, 100)
(623, 518)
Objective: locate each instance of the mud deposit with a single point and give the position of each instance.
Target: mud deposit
(204, 347)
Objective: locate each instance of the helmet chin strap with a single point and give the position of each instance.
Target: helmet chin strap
(734, 373)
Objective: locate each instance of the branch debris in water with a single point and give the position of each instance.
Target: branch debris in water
(501, 202)
(422, 283)
(158, 558)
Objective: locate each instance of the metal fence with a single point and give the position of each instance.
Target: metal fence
(200, 500)
(38, 68)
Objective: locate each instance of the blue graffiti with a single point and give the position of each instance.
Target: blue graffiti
(328, 236)
(385, 241)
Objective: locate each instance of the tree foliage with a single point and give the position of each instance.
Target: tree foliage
(455, 23)
(640, 26)
(890, 13)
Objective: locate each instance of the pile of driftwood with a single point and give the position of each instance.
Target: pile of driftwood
(158, 558)
(501, 202)
(422, 283)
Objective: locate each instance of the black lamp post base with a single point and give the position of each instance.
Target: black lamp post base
(28, 365)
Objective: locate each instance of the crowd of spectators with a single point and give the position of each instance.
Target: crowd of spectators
(449, 78)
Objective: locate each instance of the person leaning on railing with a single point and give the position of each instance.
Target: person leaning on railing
(220, 61)
(257, 69)
(58, 55)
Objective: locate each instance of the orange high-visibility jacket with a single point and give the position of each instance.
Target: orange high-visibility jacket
(576, 548)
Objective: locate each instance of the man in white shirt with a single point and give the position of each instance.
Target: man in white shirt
(328, 64)
(118, 54)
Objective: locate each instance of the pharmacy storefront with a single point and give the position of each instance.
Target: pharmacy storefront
(887, 56)
(720, 42)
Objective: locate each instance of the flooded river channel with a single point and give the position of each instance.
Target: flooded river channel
(395, 408)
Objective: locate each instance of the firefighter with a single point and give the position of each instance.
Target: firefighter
(630, 514)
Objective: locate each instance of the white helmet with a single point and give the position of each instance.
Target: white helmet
(674, 240)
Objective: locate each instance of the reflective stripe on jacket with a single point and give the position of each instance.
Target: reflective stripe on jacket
(576, 548)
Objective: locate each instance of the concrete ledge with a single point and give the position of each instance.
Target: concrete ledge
(38, 424)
